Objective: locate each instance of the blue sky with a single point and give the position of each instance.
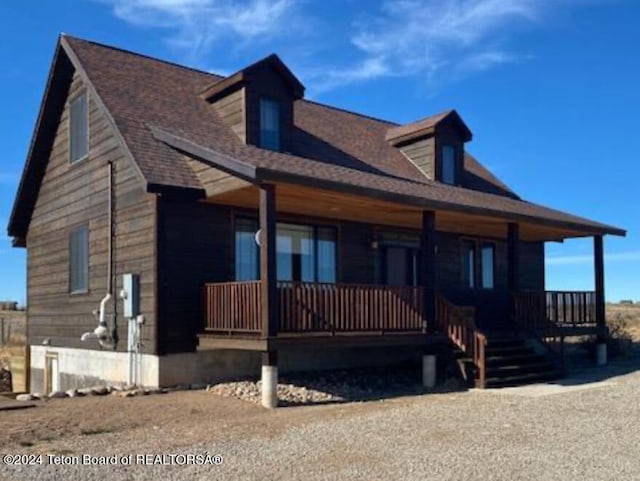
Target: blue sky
(550, 88)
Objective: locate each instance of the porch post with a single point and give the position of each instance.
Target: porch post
(513, 257)
(428, 267)
(513, 267)
(598, 255)
(269, 379)
(269, 290)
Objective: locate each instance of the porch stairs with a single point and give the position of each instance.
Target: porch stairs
(514, 361)
(509, 360)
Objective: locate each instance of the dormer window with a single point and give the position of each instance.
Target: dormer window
(269, 124)
(448, 165)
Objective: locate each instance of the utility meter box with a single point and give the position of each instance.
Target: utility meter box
(131, 288)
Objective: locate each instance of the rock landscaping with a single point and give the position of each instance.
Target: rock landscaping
(334, 386)
(293, 389)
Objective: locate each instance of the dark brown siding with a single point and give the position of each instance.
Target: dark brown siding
(267, 83)
(195, 248)
(532, 266)
(75, 195)
(357, 258)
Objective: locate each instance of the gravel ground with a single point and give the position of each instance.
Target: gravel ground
(590, 433)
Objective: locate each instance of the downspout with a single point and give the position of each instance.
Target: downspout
(114, 330)
(107, 339)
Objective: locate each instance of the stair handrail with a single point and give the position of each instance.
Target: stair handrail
(458, 322)
(534, 329)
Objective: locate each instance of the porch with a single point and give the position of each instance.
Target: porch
(461, 268)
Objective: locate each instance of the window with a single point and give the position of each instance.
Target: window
(487, 264)
(448, 170)
(78, 129)
(478, 271)
(246, 250)
(79, 260)
(469, 264)
(303, 253)
(269, 124)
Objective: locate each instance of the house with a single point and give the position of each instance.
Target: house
(185, 227)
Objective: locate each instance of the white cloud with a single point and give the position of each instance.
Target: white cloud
(427, 37)
(196, 25)
(631, 256)
(435, 40)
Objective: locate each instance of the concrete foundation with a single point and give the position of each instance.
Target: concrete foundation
(87, 367)
(429, 370)
(269, 386)
(601, 354)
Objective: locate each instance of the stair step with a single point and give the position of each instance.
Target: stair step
(518, 380)
(540, 367)
(501, 360)
(497, 343)
(509, 352)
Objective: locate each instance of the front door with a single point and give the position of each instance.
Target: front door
(400, 266)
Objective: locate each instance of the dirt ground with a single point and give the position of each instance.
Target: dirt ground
(179, 418)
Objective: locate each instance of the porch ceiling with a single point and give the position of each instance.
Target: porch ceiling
(304, 201)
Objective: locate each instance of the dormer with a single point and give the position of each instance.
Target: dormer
(435, 145)
(257, 103)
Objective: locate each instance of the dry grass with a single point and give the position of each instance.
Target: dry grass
(627, 314)
(14, 335)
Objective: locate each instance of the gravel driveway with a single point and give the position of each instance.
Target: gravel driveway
(591, 432)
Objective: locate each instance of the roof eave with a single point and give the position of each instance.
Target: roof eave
(18, 226)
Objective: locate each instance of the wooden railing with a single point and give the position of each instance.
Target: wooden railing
(458, 323)
(334, 308)
(542, 312)
(232, 307)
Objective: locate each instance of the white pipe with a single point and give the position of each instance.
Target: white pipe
(101, 332)
(103, 303)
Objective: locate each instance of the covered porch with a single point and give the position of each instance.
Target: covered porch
(268, 314)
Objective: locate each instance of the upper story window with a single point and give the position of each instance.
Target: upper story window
(448, 165)
(79, 260)
(78, 129)
(269, 124)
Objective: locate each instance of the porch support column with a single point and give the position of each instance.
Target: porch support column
(598, 255)
(428, 268)
(428, 370)
(269, 293)
(270, 379)
(269, 290)
(513, 266)
(513, 257)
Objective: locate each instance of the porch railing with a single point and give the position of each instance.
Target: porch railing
(543, 311)
(304, 307)
(233, 307)
(317, 307)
